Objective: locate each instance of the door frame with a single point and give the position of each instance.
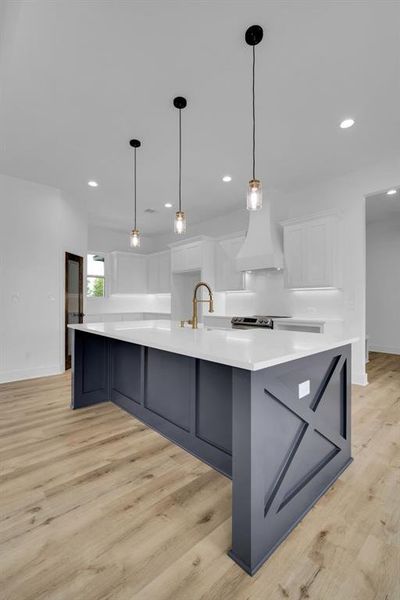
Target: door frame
(79, 259)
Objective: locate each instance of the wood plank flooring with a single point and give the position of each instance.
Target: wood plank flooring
(96, 506)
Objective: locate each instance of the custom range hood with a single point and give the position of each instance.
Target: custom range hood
(261, 248)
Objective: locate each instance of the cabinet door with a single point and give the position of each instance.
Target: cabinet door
(186, 258)
(293, 240)
(164, 270)
(153, 263)
(124, 274)
(129, 273)
(140, 276)
(178, 259)
(318, 258)
(193, 257)
(228, 277)
(111, 318)
(132, 316)
(311, 255)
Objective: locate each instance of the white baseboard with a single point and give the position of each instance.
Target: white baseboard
(385, 349)
(32, 373)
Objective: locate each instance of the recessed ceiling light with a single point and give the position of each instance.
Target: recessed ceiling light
(92, 184)
(347, 123)
(391, 192)
(227, 178)
(168, 205)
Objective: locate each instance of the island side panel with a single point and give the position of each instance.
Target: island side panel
(291, 440)
(90, 369)
(126, 373)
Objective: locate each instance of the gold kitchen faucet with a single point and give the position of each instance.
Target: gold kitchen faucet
(194, 320)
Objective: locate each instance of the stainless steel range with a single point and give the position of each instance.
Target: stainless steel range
(260, 321)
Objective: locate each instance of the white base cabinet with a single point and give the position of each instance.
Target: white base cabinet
(124, 316)
(112, 317)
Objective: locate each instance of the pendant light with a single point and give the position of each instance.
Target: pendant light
(180, 218)
(254, 35)
(135, 233)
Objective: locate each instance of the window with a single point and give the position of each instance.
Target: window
(95, 284)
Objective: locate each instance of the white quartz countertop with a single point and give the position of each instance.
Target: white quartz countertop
(243, 348)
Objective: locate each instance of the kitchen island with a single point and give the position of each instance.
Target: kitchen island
(269, 409)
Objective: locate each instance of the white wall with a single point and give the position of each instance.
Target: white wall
(383, 285)
(37, 225)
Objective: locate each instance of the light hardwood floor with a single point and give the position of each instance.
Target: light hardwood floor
(96, 506)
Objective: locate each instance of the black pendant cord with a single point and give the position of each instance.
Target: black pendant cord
(180, 160)
(134, 185)
(254, 112)
(253, 36)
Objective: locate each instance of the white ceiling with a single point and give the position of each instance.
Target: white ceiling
(380, 207)
(79, 79)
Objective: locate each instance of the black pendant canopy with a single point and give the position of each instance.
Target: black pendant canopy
(254, 35)
(135, 143)
(180, 102)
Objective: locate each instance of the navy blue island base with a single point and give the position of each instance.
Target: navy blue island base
(281, 451)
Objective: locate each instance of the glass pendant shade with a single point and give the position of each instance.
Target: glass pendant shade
(135, 238)
(180, 222)
(254, 195)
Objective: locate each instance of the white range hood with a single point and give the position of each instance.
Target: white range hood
(261, 248)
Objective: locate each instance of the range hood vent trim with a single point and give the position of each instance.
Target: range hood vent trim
(261, 248)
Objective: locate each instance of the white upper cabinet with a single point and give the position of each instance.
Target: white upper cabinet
(311, 248)
(187, 257)
(128, 273)
(153, 272)
(164, 272)
(159, 272)
(227, 276)
(293, 242)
